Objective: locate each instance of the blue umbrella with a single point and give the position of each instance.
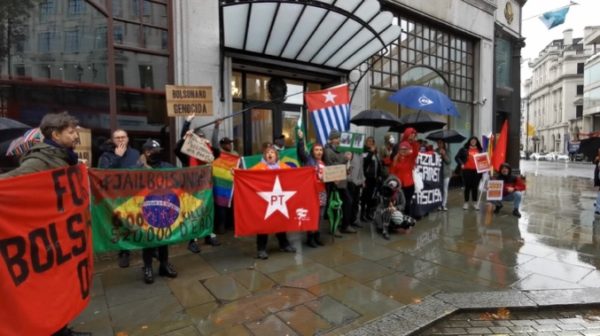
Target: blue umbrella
(426, 99)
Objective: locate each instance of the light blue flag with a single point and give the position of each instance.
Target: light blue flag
(554, 18)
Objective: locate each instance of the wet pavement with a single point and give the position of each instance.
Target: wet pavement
(362, 284)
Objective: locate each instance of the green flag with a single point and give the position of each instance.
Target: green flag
(138, 208)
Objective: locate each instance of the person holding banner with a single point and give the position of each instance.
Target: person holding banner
(511, 191)
(151, 159)
(189, 161)
(444, 152)
(402, 167)
(465, 158)
(270, 160)
(119, 155)
(315, 159)
(57, 150)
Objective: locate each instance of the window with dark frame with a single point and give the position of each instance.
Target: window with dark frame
(580, 90)
(580, 68)
(579, 111)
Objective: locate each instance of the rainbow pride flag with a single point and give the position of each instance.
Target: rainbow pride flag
(223, 179)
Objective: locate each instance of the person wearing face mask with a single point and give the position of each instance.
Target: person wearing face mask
(270, 160)
(315, 159)
(118, 155)
(57, 150)
(151, 158)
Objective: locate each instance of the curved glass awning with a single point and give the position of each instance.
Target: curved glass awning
(334, 34)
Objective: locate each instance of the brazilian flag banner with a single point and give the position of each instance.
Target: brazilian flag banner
(138, 208)
(289, 156)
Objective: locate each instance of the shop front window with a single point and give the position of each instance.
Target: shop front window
(503, 63)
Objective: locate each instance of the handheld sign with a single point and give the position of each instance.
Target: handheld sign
(494, 190)
(482, 162)
(84, 147)
(352, 142)
(189, 100)
(197, 147)
(429, 197)
(334, 173)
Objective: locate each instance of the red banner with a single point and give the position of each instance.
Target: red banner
(279, 200)
(45, 250)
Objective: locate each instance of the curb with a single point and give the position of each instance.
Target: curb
(414, 317)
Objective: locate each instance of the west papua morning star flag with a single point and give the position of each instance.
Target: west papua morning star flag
(277, 200)
(329, 109)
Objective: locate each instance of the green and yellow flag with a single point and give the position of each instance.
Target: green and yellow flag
(133, 209)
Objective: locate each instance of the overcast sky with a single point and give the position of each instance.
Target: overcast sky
(537, 36)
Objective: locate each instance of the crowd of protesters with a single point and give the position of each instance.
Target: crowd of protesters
(379, 189)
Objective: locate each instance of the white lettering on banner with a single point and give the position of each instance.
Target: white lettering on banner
(429, 196)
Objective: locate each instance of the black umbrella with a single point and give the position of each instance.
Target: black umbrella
(420, 121)
(11, 129)
(375, 118)
(448, 136)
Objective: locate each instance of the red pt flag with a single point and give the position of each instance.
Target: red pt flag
(499, 155)
(279, 200)
(45, 250)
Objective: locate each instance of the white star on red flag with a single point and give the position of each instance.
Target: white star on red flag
(329, 97)
(276, 199)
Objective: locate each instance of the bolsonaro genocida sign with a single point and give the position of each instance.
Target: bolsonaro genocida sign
(189, 100)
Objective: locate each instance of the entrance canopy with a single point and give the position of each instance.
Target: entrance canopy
(334, 34)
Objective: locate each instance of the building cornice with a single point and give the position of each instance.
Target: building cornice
(486, 6)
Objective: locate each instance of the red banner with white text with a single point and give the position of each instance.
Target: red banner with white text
(45, 250)
(271, 201)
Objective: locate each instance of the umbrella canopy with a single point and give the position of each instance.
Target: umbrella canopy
(11, 129)
(426, 99)
(448, 136)
(419, 121)
(375, 118)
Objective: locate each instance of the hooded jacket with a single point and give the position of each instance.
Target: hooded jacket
(40, 157)
(510, 181)
(388, 194)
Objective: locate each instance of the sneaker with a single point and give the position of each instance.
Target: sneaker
(349, 229)
(210, 240)
(357, 225)
(386, 236)
(475, 206)
(337, 234)
(167, 270)
(516, 213)
(466, 206)
(289, 249)
(124, 259)
(444, 208)
(193, 246)
(148, 275)
(262, 255)
(497, 209)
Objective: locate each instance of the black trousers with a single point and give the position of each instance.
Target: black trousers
(471, 181)
(263, 239)
(354, 191)
(366, 199)
(223, 219)
(346, 208)
(148, 253)
(408, 196)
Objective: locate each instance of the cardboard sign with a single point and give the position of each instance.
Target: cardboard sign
(197, 147)
(189, 100)
(352, 142)
(46, 258)
(482, 162)
(84, 147)
(334, 173)
(494, 190)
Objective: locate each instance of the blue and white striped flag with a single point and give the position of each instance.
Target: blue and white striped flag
(329, 109)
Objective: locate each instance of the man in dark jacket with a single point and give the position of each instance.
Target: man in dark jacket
(60, 138)
(119, 155)
(333, 157)
(151, 159)
(513, 186)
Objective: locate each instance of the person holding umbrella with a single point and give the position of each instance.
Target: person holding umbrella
(465, 158)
